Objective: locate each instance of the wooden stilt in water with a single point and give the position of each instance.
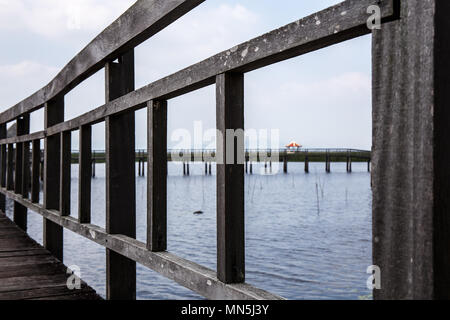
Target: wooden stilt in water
(187, 169)
(184, 169)
(285, 165)
(251, 168)
(306, 164)
(210, 165)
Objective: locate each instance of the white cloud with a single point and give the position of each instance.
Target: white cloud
(55, 18)
(20, 80)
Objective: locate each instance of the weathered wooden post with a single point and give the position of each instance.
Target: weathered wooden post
(10, 168)
(85, 174)
(3, 134)
(187, 169)
(411, 95)
(230, 179)
(35, 171)
(285, 164)
(184, 168)
(53, 233)
(120, 178)
(209, 171)
(65, 176)
(157, 176)
(20, 212)
(251, 167)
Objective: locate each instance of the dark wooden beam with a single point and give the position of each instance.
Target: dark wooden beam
(65, 176)
(85, 174)
(157, 176)
(20, 212)
(10, 167)
(120, 179)
(230, 179)
(3, 147)
(53, 233)
(35, 172)
(411, 155)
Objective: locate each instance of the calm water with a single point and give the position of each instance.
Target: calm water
(308, 236)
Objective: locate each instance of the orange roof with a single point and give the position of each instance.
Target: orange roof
(293, 145)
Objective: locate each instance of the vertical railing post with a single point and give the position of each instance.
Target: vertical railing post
(10, 168)
(157, 176)
(35, 171)
(411, 154)
(230, 178)
(120, 179)
(20, 212)
(53, 233)
(3, 134)
(65, 177)
(85, 174)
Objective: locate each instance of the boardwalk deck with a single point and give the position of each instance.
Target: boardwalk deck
(28, 271)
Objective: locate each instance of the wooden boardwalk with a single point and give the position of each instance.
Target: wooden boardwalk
(28, 271)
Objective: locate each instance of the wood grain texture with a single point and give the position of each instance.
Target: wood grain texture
(230, 179)
(53, 233)
(120, 179)
(410, 172)
(157, 176)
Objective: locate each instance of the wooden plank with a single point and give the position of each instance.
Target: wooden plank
(120, 180)
(25, 260)
(300, 37)
(144, 19)
(41, 293)
(65, 176)
(188, 274)
(3, 133)
(53, 233)
(411, 176)
(35, 172)
(30, 271)
(20, 212)
(157, 176)
(85, 174)
(230, 179)
(22, 253)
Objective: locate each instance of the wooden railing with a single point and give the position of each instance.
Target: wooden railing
(393, 44)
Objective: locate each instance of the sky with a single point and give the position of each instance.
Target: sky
(321, 99)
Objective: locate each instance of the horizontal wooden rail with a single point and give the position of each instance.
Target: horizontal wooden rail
(342, 22)
(188, 274)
